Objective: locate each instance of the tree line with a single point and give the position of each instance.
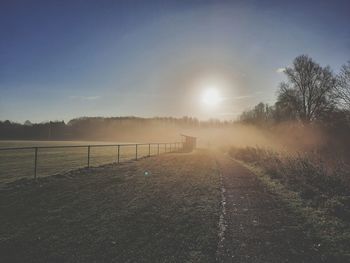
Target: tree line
(98, 128)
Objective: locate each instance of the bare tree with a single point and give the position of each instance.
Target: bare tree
(343, 86)
(309, 90)
(261, 114)
(287, 104)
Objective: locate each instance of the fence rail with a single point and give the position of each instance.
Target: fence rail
(168, 147)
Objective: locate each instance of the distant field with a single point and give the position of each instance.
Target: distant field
(16, 164)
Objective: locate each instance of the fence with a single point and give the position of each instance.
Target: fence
(121, 153)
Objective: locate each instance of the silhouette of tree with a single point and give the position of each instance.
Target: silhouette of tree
(309, 90)
(97, 128)
(343, 86)
(28, 123)
(286, 105)
(261, 114)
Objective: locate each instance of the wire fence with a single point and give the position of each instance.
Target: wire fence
(24, 162)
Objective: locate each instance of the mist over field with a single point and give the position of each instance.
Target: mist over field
(214, 133)
(287, 136)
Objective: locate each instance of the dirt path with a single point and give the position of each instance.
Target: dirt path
(258, 226)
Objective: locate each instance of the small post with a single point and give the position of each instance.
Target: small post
(149, 150)
(158, 149)
(170, 147)
(118, 157)
(35, 161)
(165, 147)
(136, 152)
(88, 157)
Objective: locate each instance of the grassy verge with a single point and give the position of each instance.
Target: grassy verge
(163, 209)
(17, 164)
(324, 213)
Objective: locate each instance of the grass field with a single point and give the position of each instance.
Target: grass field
(116, 213)
(16, 164)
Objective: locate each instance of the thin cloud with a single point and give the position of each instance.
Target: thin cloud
(243, 97)
(280, 70)
(248, 96)
(84, 97)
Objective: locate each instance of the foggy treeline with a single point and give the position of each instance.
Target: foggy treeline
(99, 128)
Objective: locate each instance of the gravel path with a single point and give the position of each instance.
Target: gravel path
(258, 226)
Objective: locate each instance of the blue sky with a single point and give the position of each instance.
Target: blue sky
(65, 59)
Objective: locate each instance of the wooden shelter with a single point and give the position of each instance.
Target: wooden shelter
(189, 143)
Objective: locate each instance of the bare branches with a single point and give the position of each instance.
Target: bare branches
(311, 92)
(309, 89)
(343, 86)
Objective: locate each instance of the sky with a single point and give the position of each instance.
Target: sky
(65, 59)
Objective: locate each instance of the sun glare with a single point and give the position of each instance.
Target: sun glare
(211, 96)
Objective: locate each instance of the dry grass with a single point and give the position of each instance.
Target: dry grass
(320, 184)
(319, 189)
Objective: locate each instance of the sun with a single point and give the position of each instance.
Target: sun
(211, 96)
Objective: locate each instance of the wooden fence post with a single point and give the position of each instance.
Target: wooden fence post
(35, 161)
(136, 152)
(88, 159)
(118, 153)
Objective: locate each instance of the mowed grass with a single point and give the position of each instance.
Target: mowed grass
(159, 209)
(16, 164)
